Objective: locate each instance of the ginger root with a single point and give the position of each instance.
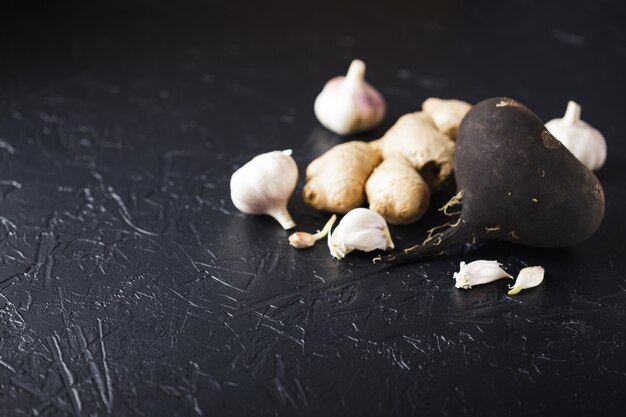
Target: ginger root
(446, 114)
(396, 191)
(415, 137)
(417, 154)
(335, 181)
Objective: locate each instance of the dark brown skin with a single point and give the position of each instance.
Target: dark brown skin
(519, 184)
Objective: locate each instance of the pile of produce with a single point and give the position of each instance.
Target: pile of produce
(517, 179)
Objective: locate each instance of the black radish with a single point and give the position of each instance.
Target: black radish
(516, 183)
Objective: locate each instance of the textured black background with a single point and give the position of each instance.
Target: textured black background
(130, 285)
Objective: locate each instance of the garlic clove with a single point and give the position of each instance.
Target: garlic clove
(301, 240)
(585, 142)
(360, 229)
(264, 185)
(479, 272)
(349, 104)
(529, 277)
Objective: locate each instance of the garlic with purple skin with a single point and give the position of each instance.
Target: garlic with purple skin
(349, 104)
(585, 142)
(264, 184)
(302, 240)
(528, 277)
(360, 229)
(479, 272)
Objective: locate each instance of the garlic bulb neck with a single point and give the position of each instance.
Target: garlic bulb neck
(356, 74)
(283, 217)
(572, 113)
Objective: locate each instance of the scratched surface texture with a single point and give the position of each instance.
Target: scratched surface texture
(130, 285)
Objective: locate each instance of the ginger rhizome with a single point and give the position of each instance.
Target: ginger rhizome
(396, 191)
(417, 155)
(335, 181)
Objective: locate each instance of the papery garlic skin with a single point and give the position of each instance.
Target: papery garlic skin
(529, 277)
(584, 141)
(349, 104)
(360, 229)
(265, 184)
(479, 272)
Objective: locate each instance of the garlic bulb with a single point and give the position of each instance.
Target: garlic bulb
(528, 277)
(585, 142)
(301, 240)
(349, 104)
(479, 272)
(264, 185)
(360, 229)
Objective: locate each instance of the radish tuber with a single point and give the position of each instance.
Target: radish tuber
(516, 183)
(335, 181)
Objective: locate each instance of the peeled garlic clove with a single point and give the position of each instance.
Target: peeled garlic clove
(349, 104)
(301, 240)
(585, 142)
(360, 229)
(264, 185)
(528, 277)
(479, 272)
(446, 114)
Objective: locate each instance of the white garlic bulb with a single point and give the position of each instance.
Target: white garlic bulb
(479, 272)
(360, 229)
(264, 184)
(585, 142)
(528, 277)
(349, 104)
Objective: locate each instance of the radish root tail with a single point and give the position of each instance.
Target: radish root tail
(434, 245)
(457, 200)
